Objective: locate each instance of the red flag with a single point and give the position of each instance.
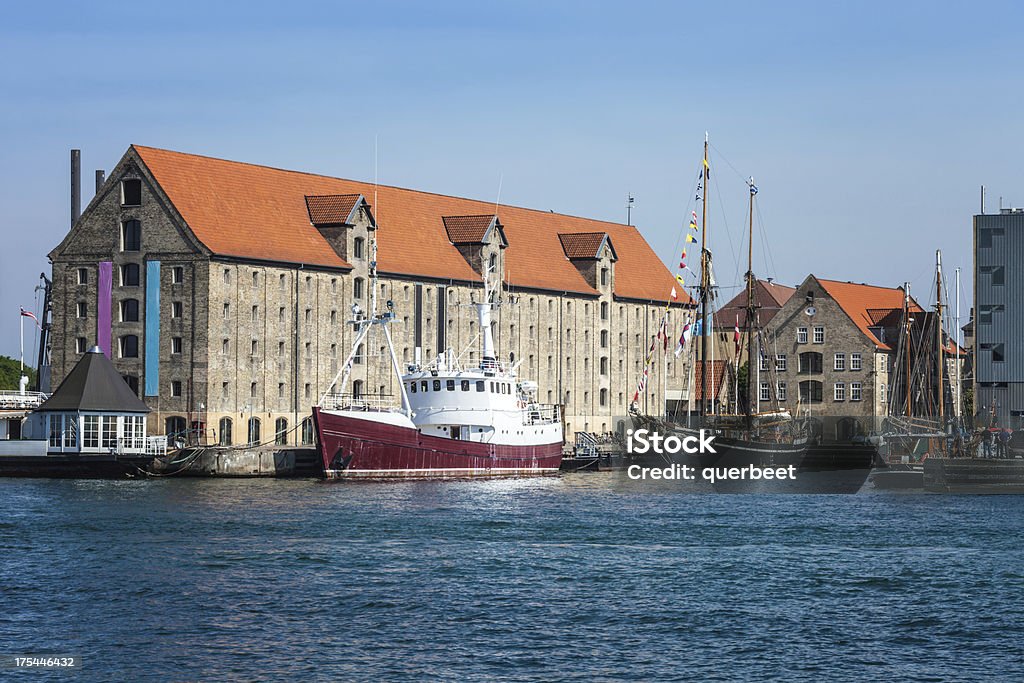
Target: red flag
(736, 333)
(30, 314)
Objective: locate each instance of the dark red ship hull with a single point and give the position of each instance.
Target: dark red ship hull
(353, 447)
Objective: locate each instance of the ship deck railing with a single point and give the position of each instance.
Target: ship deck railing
(363, 402)
(15, 400)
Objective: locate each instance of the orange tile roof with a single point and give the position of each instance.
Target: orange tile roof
(331, 209)
(249, 211)
(467, 229)
(716, 379)
(862, 302)
(585, 245)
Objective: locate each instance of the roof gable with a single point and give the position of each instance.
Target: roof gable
(585, 245)
(867, 305)
(472, 229)
(332, 209)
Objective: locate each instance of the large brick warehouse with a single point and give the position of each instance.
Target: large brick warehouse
(221, 291)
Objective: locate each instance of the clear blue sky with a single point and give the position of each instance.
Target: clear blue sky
(869, 127)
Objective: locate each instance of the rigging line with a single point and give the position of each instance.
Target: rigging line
(728, 232)
(766, 254)
(728, 163)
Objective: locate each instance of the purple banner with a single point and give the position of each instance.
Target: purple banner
(103, 314)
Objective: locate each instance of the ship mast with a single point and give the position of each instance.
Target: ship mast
(906, 343)
(938, 337)
(751, 310)
(704, 284)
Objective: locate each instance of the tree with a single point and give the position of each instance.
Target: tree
(9, 374)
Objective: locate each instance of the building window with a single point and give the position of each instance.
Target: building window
(357, 389)
(782, 391)
(177, 275)
(80, 345)
(280, 348)
(280, 389)
(780, 362)
(131, 235)
(309, 350)
(91, 431)
(176, 309)
(810, 363)
(130, 275)
(129, 346)
(604, 339)
(810, 391)
(763, 364)
(176, 388)
(307, 431)
(254, 348)
(360, 351)
(227, 311)
(255, 313)
(133, 383)
(839, 391)
(357, 288)
(175, 344)
(855, 361)
(985, 313)
(334, 318)
(82, 309)
(225, 346)
(998, 351)
(281, 431)
(801, 335)
(307, 390)
(855, 391)
(765, 392)
(225, 431)
(997, 275)
(357, 247)
(224, 390)
(309, 315)
(840, 362)
(986, 236)
(604, 277)
(227, 276)
(819, 334)
(131, 192)
(252, 390)
(604, 397)
(881, 392)
(604, 366)
(83, 276)
(309, 283)
(492, 264)
(254, 430)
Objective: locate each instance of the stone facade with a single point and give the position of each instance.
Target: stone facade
(245, 340)
(826, 365)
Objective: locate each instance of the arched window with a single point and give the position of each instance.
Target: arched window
(130, 275)
(225, 431)
(604, 366)
(357, 247)
(604, 338)
(129, 346)
(131, 236)
(604, 310)
(493, 263)
(357, 288)
(307, 431)
(360, 352)
(174, 427)
(357, 389)
(604, 277)
(130, 310)
(810, 391)
(254, 430)
(281, 431)
(604, 399)
(810, 363)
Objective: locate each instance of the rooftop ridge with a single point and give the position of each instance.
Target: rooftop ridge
(392, 187)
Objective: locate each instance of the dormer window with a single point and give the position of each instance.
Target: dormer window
(131, 192)
(604, 277)
(358, 247)
(493, 263)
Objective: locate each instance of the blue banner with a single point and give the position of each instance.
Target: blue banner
(152, 328)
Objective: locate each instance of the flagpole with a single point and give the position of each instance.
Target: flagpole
(704, 283)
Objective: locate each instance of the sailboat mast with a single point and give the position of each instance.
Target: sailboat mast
(938, 337)
(704, 283)
(906, 342)
(957, 406)
(750, 310)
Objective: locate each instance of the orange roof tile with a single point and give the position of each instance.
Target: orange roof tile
(249, 211)
(331, 209)
(862, 303)
(582, 245)
(467, 229)
(716, 379)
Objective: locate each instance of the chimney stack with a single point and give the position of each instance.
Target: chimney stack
(100, 177)
(76, 185)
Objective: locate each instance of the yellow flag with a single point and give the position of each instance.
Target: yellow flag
(706, 164)
(679, 279)
(691, 238)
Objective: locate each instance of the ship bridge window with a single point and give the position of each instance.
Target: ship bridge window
(449, 385)
(465, 385)
(423, 386)
(412, 387)
(437, 385)
(480, 385)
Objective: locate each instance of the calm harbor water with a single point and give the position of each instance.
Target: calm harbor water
(569, 578)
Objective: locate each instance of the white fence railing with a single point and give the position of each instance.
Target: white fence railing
(13, 400)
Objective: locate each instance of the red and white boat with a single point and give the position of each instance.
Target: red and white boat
(453, 421)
